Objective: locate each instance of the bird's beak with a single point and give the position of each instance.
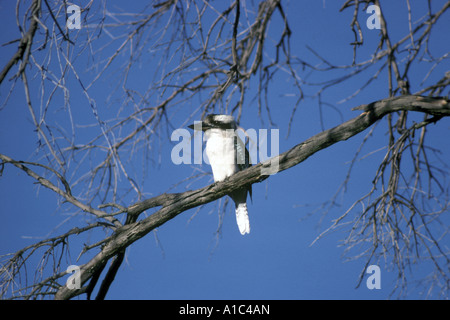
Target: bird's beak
(199, 125)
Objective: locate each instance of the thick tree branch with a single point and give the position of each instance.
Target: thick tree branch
(174, 204)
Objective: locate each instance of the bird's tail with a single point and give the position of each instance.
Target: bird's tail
(242, 218)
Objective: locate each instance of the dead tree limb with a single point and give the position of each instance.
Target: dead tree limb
(174, 204)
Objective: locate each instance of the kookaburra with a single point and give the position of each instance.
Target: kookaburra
(227, 155)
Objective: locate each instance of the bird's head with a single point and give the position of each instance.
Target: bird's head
(219, 121)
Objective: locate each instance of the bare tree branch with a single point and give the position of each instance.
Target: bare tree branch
(24, 49)
(174, 204)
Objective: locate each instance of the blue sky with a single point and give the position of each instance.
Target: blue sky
(185, 259)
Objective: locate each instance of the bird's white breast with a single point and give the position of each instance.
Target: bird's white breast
(221, 153)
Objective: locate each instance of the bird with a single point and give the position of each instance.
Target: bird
(227, 155)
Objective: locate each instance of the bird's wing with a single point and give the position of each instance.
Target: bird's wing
(243, 158)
